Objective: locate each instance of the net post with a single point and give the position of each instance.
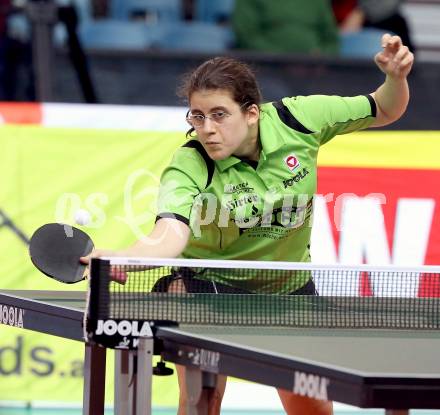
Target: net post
(99, 289)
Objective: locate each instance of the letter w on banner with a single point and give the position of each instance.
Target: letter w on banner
(380, 228)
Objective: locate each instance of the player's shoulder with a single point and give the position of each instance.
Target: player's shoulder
(300, 102)
(192, 159)
(309, 113)
(290, 111)
(310, 102)
(190, 153)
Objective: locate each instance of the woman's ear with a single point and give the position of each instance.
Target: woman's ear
(253, 113)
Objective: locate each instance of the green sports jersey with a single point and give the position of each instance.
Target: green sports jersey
(260, 211)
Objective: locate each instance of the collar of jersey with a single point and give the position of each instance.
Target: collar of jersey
(226, 163)
(270, 140)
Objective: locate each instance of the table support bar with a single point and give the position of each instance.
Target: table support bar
(133, 379)
(94, 380)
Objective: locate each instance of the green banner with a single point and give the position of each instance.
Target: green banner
(46, 175)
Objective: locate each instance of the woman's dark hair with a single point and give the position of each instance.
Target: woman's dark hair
(223, 73)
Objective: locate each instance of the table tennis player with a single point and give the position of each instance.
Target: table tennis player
(243, 184)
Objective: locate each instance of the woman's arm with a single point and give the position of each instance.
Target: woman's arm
(392, 97)
(168, 239)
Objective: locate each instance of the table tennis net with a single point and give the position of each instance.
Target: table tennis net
(257, 293)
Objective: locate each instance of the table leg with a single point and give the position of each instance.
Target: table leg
(122, 382)
(94, 380)
(144, 376)
(133, 379)
(199, 385)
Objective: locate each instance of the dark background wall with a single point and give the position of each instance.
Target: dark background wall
(152, 78)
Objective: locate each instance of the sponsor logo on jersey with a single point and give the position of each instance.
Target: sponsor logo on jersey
(242, 201)
(292, 162)
(295, 179)
(238, 188)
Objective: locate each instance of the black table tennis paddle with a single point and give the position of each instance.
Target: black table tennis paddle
(55, 249)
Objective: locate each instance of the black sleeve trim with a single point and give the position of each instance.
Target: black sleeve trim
(170, 215)
(210, 165)
(372, 105)
(287, 118)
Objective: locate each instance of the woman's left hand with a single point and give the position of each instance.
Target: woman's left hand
(395, 60)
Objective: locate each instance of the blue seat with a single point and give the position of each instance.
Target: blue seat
(19, 26)
(150, 10)
(363, 44)
(115, 34)
(214, 11)
(195, 36)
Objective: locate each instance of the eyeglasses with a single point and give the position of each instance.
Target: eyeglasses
(198, 120)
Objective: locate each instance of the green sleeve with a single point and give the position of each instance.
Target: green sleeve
(180, 183)
(327, 116)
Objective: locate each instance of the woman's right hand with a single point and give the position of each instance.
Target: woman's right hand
(116, 274)
(97, 253)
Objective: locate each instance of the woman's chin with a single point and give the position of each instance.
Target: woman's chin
(218, 155)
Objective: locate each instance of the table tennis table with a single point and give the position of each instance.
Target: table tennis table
(369, 368)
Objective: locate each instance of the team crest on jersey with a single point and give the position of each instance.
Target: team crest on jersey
(292, 162)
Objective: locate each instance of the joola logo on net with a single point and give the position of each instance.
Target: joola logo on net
(124, 328)
(312, 386)
(12, 316)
